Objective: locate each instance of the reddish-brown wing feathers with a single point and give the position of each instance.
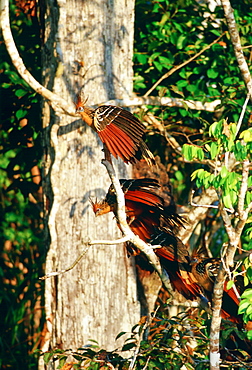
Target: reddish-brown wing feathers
(144, 207)
(119, 130)
(174, 258)
(118, 143)
(145, 210)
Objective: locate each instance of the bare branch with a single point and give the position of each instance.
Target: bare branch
(57, 273)
(88, 245)
(244, 188)
(235, 38)
(56, 100)
(216, 319)
(134, 239)
(207, 205)
(242, 114)
(165, 101)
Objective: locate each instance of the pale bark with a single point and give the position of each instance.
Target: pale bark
(234, 235)
(98, 298)
(236, 41)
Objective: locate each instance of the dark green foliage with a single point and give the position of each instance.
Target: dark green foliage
(21, 228)
(167, 33)
(163, 345)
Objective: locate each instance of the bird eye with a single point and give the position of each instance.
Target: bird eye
(79, 109)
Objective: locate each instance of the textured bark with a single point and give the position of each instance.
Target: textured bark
(197, 213)
(87, 44)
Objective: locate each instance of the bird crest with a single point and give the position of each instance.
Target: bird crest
(99, 208)
(80, 103)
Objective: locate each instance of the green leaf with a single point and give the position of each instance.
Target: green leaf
(176, 90)
(5, 85)
(197, 173)
(20, 93)
(214, 150)
(181, 41)
(247, 294)
(212, 73)
(62, 361)
(141, 58)
(246, 135)
(47, 356)
(230, 284)
(179, 175)
(120, 334)
(227, 201)
(158, 66)
(182, 83)
(129, 346)
(243, 306)
(21, 113)
(249, 335)
(224, 172)
(165, 61)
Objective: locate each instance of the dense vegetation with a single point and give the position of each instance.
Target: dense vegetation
(166, 35)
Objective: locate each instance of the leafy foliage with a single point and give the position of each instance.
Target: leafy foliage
(167, 34)
(21, 297)
(166, 347)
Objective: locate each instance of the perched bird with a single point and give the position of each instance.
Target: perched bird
(175, 259)
(146, 214)
(205, 271)
(119, 130)
(145, 209)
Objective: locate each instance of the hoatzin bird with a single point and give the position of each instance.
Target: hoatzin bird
(146, 213)
(174, 258)
(145, 209)
(205, 271)
(119, 130)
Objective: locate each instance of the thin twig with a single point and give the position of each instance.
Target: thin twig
(243, 188)
(206, 205)
(136, 351)
(174, 69)
(236, 41)
(94, 242)
(57, 273)
(242, 114)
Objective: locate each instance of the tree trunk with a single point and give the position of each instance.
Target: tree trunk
(87, 45)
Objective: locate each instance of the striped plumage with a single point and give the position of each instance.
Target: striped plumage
(120, 131)
(205, 271)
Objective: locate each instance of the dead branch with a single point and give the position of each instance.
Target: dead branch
(134, 239)
(236, 41)
(196, 214)
(88, 245)
(137, 101)
(17, 61)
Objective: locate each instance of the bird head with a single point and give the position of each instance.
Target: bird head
(100, 208)
(80, 104)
